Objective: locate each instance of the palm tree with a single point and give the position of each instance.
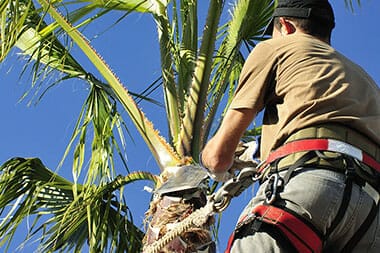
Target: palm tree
(199, 73)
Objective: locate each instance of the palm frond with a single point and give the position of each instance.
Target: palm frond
(172, 107)
(99, 115)
(34, 189)
(94, 214)
(144, 6)
(194, 114)
(163, 153)
(248, 20)
(350, 4)
(186, 47)
(24, 28)
(39, 42)
(12, 21)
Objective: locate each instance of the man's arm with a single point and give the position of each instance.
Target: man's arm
(218, 154)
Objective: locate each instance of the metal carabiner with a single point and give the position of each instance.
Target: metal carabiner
(220, 203)
(274, 183)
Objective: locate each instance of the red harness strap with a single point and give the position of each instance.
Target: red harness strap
(230, 241)
(301, 236)
(322, 145)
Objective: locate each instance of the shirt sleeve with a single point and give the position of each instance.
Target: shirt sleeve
(258, 73)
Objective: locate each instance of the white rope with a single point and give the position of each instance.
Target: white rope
(196, 219)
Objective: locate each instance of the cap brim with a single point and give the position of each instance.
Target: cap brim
(269, 29)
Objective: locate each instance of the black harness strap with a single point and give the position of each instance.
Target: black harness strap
(350, 174)
(351, 177)
(276, 183)
(342, 209)
(299, 163)
(362, 229)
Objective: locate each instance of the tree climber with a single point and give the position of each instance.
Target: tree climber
(320, 140)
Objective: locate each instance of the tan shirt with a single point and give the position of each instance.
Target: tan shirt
(302, 81)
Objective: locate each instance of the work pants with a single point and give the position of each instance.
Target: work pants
(315, 194)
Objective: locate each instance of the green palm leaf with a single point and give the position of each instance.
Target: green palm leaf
(151, 6)
(163, 153)
(94, 213)
(194, 111)
(248, 19)
(23, 27)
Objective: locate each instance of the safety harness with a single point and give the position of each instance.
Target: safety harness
(299, 232)
(321, 145)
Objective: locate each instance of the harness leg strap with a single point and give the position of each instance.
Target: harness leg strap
(362, 229)
(343, 207)
(302, 235)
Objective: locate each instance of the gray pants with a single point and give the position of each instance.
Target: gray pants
(316, 194)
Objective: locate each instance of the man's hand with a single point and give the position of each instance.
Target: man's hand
(218, 153)
(216, 176)
(220, 176)
(245, 155)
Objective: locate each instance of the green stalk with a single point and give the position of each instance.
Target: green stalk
(248, 20)
(194, 117)
(188, 50)
(171, 97)
(162, 152)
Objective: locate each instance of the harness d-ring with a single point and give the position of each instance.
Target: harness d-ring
(275, 183)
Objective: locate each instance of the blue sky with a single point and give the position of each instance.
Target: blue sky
(44, 130)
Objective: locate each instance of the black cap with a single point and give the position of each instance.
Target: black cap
(317, 9)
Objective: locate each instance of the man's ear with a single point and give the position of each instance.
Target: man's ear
(286, 26)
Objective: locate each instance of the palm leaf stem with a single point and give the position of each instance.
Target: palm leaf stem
(162, 152)
(248, 20)
(188, 47)
(194, 114)
(218, 94)
(169, 84)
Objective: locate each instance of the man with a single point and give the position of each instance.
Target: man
(311, 198)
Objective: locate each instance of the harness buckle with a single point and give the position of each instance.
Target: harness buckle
(274, 186)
